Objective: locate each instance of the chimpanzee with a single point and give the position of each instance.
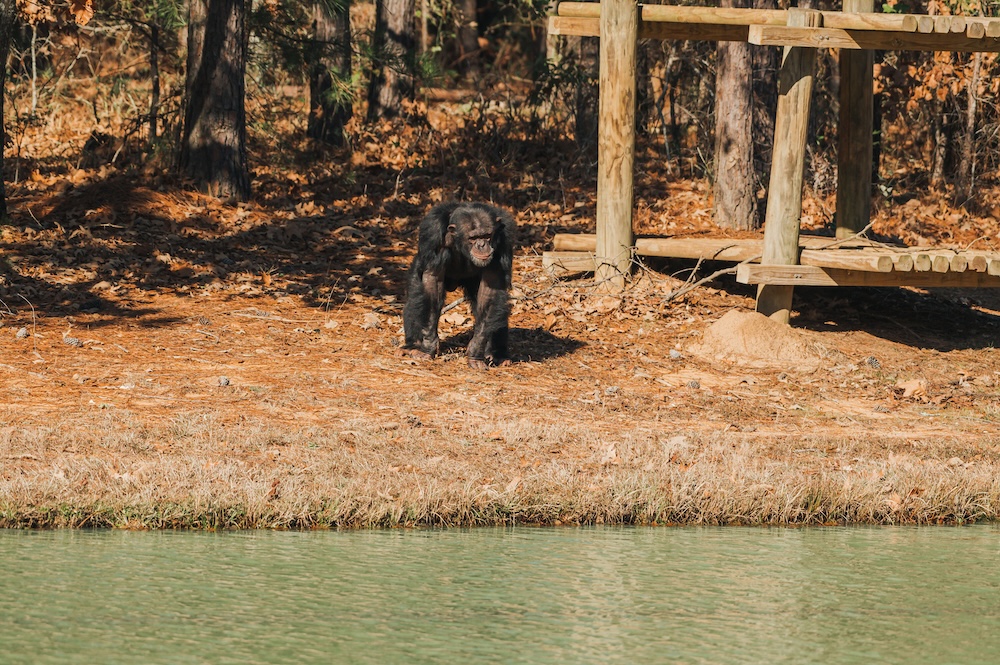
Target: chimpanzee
(468, 245)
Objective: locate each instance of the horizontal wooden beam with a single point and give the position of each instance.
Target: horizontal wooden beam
(814, 251)
(745, 17)
(736, 250)
(767, 35)
(685, 14)
(563, 264)
(816, 276)
(590, 27)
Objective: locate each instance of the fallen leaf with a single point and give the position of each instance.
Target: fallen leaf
(912, 388)
(82, 11)
(455, 318)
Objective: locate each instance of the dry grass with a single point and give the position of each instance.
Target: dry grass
(195, 472)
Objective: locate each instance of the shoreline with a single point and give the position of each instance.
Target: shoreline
(218, 476)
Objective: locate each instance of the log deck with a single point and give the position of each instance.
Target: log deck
(889, 265)
(788, 259)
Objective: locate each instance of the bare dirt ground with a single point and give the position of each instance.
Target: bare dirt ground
(168, 360)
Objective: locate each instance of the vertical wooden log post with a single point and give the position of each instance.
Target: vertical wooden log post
(616, 140)
(784, 197)
(854, 141)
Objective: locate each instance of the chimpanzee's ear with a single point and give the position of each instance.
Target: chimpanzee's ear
(449, 236)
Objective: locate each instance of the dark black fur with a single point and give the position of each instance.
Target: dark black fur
(450, 235)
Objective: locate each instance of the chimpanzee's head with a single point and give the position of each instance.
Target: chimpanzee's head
(473, 231)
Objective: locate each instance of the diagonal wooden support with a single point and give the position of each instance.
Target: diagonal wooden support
(784, 198)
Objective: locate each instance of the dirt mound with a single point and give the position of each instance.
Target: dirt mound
(751, 339)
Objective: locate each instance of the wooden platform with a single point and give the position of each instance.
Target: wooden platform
(862, 31)
(855, 263)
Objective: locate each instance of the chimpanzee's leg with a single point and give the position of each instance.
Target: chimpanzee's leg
(424, 300)
(492, 311)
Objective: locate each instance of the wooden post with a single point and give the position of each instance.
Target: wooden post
(854, 142)
(616, 140)
(784, 197)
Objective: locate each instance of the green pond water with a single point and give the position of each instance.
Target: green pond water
(525, 595)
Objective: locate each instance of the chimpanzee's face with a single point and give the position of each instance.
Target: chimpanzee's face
(474, 234)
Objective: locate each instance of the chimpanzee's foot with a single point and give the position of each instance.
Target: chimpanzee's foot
(419, 354)
(478, 363)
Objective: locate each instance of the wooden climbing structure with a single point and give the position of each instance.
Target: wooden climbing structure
(783, 259)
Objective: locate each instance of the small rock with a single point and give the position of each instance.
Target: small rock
(675, 354)
(611, 390)
(223, 380)
(22, 333)
(72, 341)
(204, 320)
(694, 383)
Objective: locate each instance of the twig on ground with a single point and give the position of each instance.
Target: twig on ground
(857, 235)
(267, 317)
(452, 305)
(691, 286)
(34, 325)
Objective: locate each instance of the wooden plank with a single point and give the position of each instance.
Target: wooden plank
(768, 35)
(694, 31)
(848, 259)
(701, 247)
(745, 17)
(616, 141)
(902, 262)
(983, 260)
(569, 26)
(978, 263)
(590, 27)
(868, 20)
(854, 137)
(922, 262)
(946, 260)
(679, 14)
(563, 264)
(942, 24)
(784, 201)
(814, 276)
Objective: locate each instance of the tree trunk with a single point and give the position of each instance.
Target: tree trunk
(329, 92)
(154, 77)
(213, 146)
(8, 16)
(586, 50)
(393, 43)
(735, 203)
(967, 166)
(765, 61)
(468, 40)
(942, 137)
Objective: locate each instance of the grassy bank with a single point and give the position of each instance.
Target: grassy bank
(195, 472)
